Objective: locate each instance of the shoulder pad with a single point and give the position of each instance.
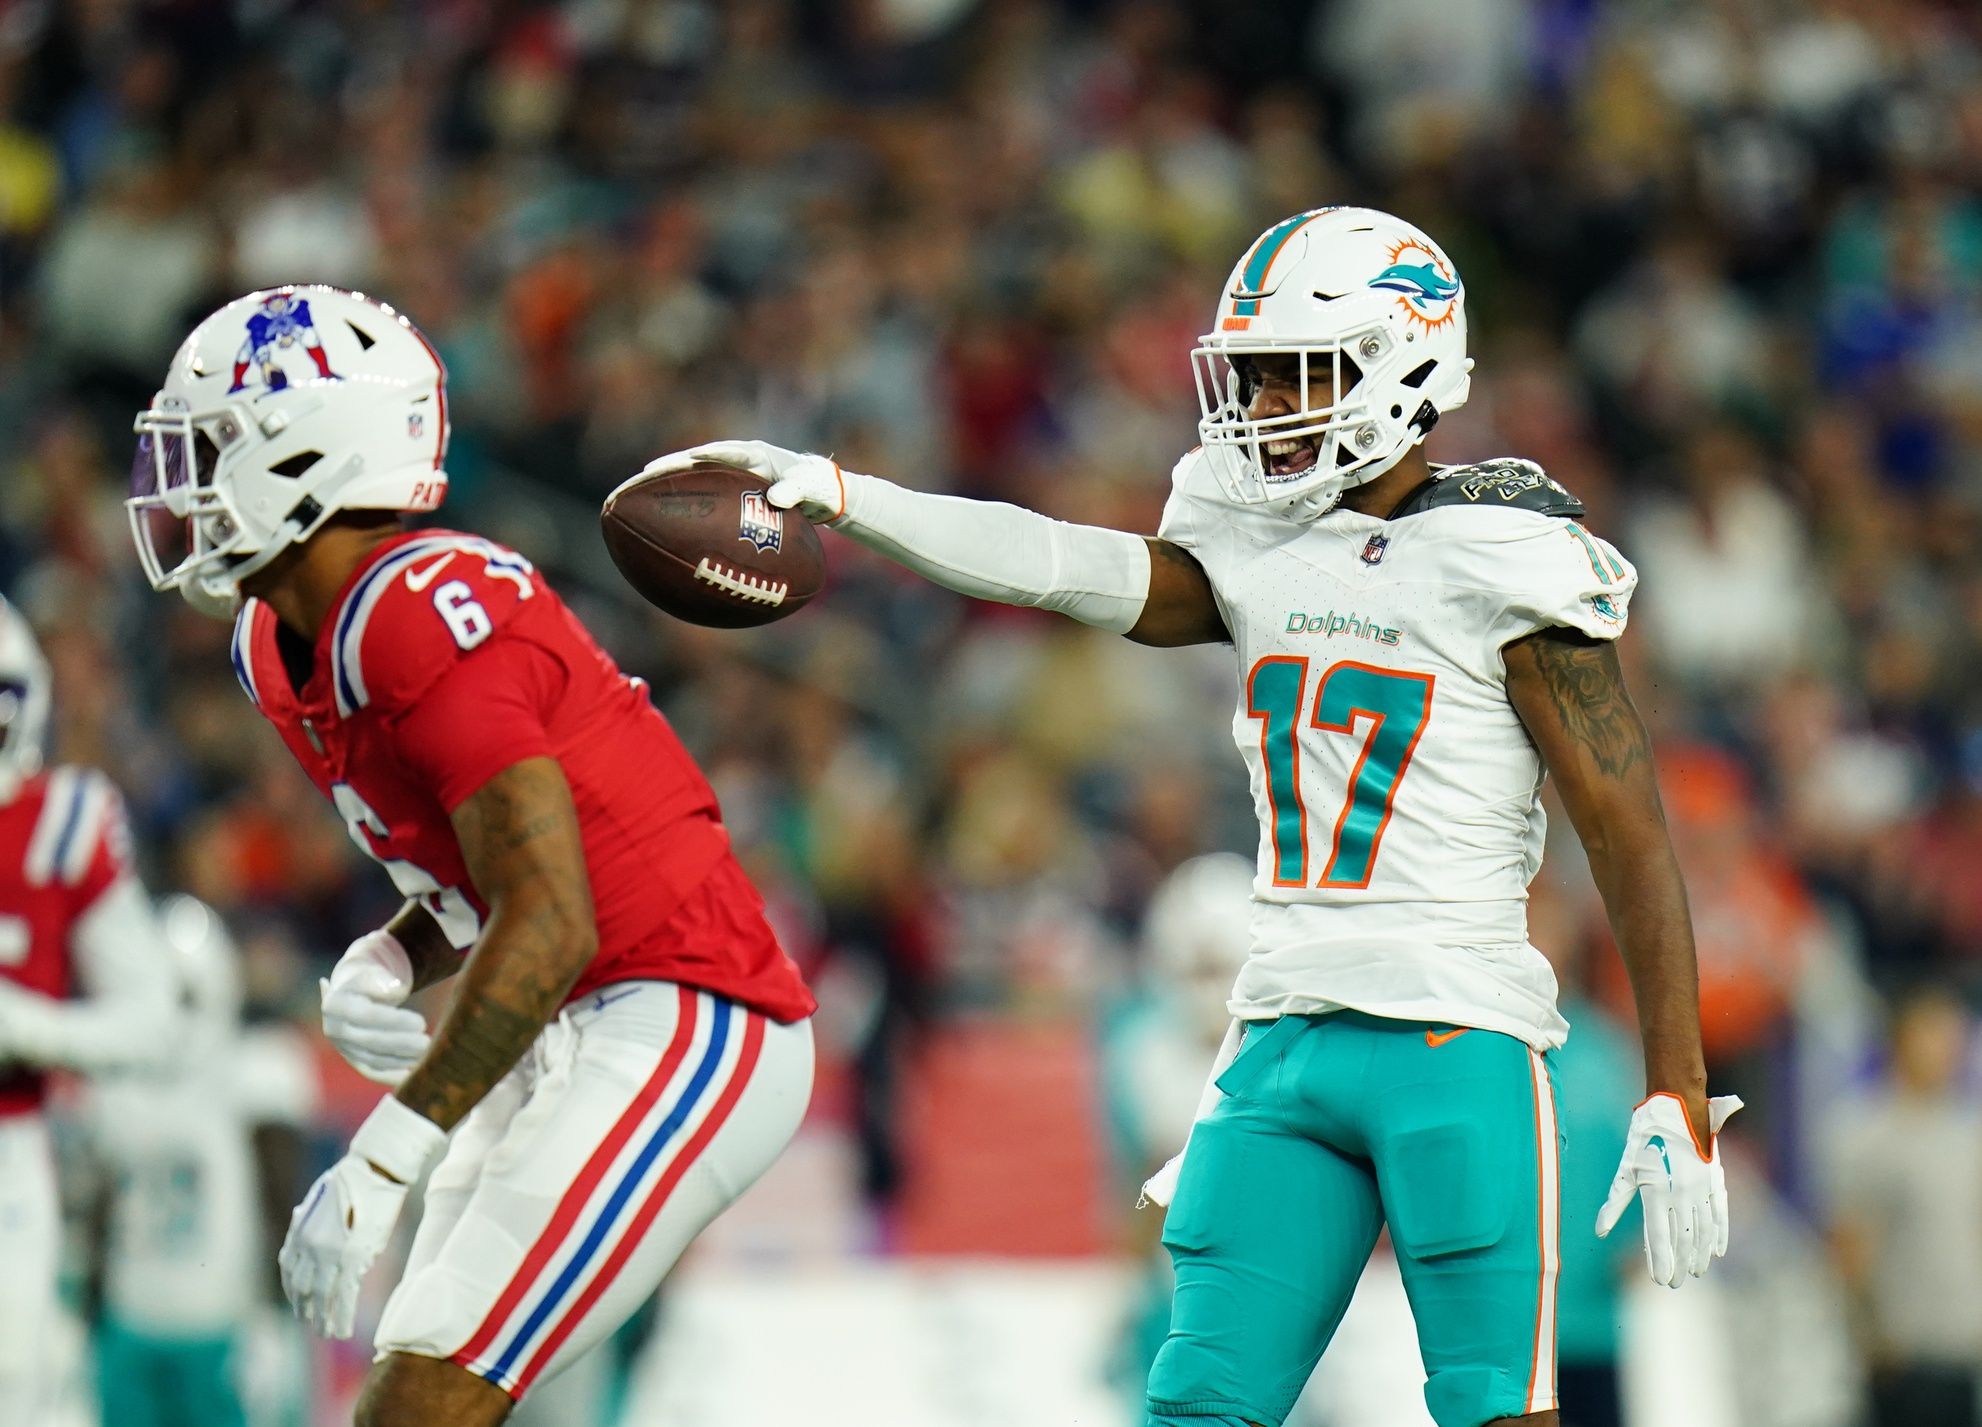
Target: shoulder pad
(81, 812)
(1500, 484)
(417, 611)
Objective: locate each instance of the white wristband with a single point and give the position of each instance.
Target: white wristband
(399, 1140)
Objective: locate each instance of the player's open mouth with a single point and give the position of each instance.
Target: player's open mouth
(1290, 458)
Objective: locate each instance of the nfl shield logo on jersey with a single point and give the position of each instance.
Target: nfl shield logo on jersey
(1373, 552)
(762, 524)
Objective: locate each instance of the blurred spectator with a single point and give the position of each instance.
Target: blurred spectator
(1906, 1170)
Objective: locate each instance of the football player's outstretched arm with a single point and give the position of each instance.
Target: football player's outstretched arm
(1569, 692)
(1148, 589)
(520, 839)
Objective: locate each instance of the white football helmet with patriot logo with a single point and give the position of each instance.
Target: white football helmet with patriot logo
(1376, 314)
(278, 411)
(25, 685)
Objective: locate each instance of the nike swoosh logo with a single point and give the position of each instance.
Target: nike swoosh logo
(602, 1000)
(1657, 1142)
(417, 580)
(1439, 1038)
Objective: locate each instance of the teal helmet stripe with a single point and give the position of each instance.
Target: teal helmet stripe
(1264, 252)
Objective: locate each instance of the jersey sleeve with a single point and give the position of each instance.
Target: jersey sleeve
(1179, 522)
(423, 609)
(485, 713)
(1554, 573)
(81, 840)
(1190, 515)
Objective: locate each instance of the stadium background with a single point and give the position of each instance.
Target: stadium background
(1725, 267)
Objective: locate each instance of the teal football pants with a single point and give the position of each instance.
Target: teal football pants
(146, 1381)
(1333, 1126)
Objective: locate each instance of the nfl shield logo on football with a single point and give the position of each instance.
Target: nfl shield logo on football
(762, 524)
(1373, 552)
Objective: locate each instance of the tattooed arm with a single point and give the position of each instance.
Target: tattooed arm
(1569, 692)
(519, 836)
(1180, 609)
(427, 947)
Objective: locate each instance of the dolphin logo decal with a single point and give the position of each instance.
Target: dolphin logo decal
(1421, 282)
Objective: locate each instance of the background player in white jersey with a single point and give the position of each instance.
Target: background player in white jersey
(85, 986)
(1416, 646)
(188, 1246)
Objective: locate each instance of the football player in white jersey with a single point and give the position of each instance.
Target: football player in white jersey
(189, 1223)
(1416, 645)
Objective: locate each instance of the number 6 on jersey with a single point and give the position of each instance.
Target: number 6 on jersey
(1397, 706)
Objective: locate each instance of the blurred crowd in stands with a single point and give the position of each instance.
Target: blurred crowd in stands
(1724, 263)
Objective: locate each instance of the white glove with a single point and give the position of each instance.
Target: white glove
(343, 1223)
(362, 1012)
(1682, 1186)
(814, 485)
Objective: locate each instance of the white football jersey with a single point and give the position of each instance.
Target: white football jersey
(1398, 793)
(185, 1255)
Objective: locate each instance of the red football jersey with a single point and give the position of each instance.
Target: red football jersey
(62, 845)
(446, 659)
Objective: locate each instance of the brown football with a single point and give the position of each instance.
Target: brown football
(704, 545)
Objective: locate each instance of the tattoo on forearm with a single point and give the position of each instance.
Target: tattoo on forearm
(519, 836)
(1587, 690)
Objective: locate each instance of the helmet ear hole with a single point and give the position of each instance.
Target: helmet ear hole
(294, 466)
(365, 339)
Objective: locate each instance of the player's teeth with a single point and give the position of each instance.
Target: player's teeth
(1282, 448)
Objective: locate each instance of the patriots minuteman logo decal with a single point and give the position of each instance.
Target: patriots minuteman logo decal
(281, 326)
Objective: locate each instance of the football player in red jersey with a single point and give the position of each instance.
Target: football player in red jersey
(628, 1047)
(86, 984)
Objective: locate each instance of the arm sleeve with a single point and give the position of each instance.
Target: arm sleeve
(1556, 574)
(1003, 553)
(125, 1016)
(487, 713)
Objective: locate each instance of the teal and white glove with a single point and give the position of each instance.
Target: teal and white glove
(813, 485)
(1681, 1185)
(344, 1222)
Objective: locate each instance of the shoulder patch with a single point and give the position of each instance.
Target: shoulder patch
(1505, 483)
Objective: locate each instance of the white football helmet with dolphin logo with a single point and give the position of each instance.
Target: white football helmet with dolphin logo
(1375, 312)
(278, 411)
